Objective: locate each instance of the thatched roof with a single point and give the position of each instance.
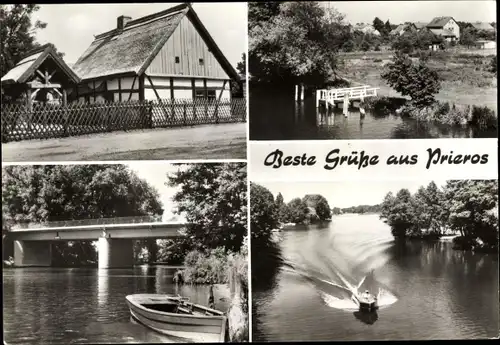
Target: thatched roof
(133, 48)
(25, 68)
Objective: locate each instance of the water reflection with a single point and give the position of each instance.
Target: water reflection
(449, 294)
(62, 306)
(281, 118)
(368, 318)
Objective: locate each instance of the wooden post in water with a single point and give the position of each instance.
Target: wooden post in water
(318, 96)
(362, 107)
(296, 93)
(346, 105)
(301, 92)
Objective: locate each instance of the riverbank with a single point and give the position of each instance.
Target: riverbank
(465, 78)
(446, 113)
(219, 268)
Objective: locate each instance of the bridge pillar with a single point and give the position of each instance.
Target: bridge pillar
(32, 253)
(115, 252)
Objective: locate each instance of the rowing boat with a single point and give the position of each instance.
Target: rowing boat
(176, 316)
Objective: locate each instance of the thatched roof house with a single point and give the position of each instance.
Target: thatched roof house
(169, 54)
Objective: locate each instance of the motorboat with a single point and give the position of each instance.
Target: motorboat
(365, 301)
(176, 316)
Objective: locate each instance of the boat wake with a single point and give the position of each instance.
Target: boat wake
(338, 294)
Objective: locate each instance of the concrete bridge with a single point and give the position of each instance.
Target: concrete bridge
(33, 243)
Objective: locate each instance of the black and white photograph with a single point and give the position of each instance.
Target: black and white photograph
(377, 260)
(147, 252)
(323, 70)
(104, 82)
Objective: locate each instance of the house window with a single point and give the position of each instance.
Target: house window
(199, 94)
(211, 94)
(201, 62)
(177, 59)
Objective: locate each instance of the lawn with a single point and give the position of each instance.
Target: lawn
(465, 78)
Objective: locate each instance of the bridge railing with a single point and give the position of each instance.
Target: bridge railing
(86, 222)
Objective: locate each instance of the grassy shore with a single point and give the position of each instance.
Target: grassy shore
(465, 76)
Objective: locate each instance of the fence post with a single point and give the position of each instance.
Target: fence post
(65, 114)
(217, 110)
(184, 106)
(346, 105)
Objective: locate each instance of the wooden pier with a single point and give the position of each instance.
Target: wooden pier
(331, 97)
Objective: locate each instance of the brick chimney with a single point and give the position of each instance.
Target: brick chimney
(121, 21)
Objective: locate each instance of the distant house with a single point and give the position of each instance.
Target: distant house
(166, 55)
(403, 29)
(420, 25)
(483, 26)
(366, 29)
(483, 44)
(445, 27)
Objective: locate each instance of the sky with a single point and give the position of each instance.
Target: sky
(71, 27)
(415, 11)
(155, 173)
(345, 194)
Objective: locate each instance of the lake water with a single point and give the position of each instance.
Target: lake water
(279, 119)
(427, 290)
(82, 305)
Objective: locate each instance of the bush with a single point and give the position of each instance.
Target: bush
(382, 106)
(493, 65)
(483, 118)
(208, 268)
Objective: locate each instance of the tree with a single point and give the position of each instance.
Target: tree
(467, 37)
(365, 46)
(379, 25)
(320, 204)
(398, 213)
(42, 193)
(405, 43)
(295, 43)
(282, 209)
(415, 80)
(241, 66)
(213, 198)
(17, 33)
(263, 215)
(348, 46)
(298, 211)
(472, 205)
(388, 27)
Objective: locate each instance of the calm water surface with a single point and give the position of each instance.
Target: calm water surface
(279, 119)
(73, 306)
(427, 290)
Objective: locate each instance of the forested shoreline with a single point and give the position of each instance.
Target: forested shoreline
(468, 208)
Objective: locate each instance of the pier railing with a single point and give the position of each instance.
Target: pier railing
(351, 93)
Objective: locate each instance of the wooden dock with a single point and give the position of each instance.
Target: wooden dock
(330, 97)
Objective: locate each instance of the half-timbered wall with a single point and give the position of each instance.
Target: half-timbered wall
(185, 88)
(186, 53)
